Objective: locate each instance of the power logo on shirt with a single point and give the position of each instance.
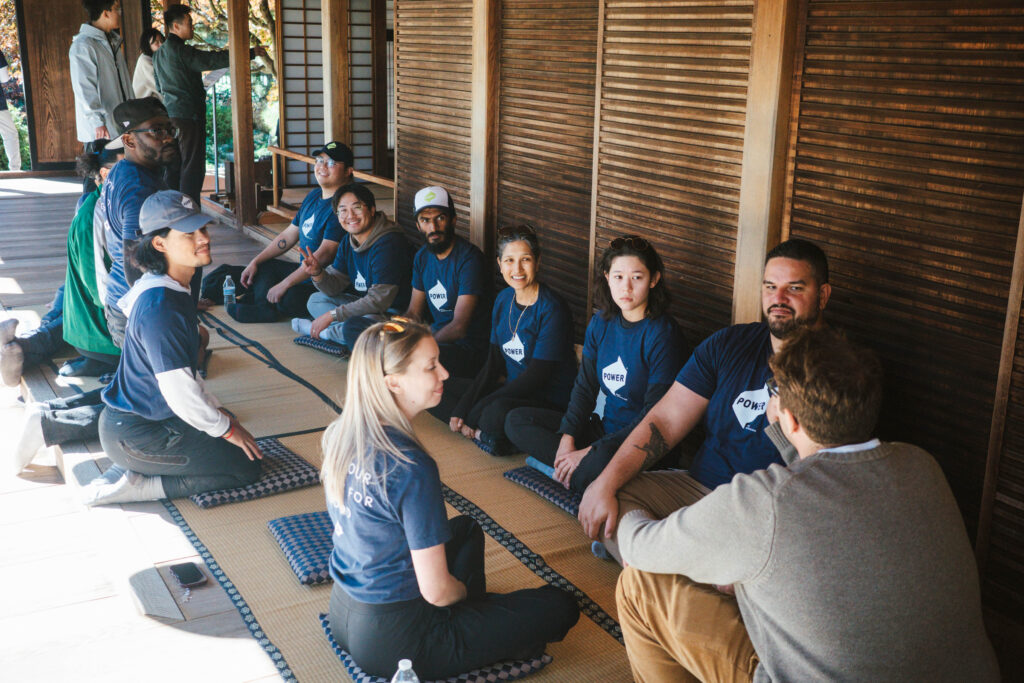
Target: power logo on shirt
(438, 296)
(360, 282)
(514, 349)
(614, 376)
(307, 226)
(749, 406)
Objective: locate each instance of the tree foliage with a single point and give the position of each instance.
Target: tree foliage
(9, 37)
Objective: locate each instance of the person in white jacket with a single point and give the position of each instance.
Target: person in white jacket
(99, 72)
(8, 131)
(166, 434)
(143, 81)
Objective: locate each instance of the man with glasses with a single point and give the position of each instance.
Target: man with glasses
(99, 73)
(178, 69)
(150, 145)
(725, 384)
(852, 563)
(449, 279)
(279, 287)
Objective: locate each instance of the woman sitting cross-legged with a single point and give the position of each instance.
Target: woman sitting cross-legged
(631, 355)
(167, 436)
(531, 347)
(408, 582)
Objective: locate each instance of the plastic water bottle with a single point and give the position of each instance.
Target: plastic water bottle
(405, 674)
(229, 290)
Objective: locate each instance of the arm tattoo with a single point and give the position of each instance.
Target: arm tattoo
(654, 448)
(282, 244)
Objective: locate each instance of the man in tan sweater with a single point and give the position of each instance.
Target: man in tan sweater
(851, 563)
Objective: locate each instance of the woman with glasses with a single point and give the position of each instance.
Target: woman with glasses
(631, 355)
(531, 347)
(408, 582)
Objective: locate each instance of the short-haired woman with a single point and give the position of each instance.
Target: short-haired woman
(165, 433)
(144, 82)
(531, 346)
(408, 582)
(631, 355)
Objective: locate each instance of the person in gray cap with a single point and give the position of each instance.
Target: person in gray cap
(167, 436)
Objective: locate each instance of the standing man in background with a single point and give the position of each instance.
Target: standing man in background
(178, 69)
(9, 134)
(99, 72)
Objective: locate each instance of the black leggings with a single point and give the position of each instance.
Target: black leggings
(535, 432)
(445, 641)
(190, 461)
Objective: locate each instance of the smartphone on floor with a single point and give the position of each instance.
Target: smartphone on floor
(188, 574)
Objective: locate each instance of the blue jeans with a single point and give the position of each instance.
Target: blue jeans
(345, 332)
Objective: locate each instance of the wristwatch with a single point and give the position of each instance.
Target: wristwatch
(334, 314)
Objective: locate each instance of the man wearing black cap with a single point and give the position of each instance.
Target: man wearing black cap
(279, 287)
(150, 145)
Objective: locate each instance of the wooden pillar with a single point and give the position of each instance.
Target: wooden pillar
(596, 160)
(241, 111)
(762, 180)
(334, 16)
(379, 66)
(483, 135)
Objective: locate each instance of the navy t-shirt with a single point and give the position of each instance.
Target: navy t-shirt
(3, 98)
(388, 261)
(629, 357)
(317, 221)
(162, 335)
(374, 533)
(462, 272)
(128, 185)
(542, 331)
(730, 369)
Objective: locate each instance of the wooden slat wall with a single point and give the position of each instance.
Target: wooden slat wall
(673, 101)
(545, 135)
(360, 61)
(908, 168)
(433, 63)
(301, 85)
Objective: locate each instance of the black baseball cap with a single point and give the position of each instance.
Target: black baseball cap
(338, 151)
(132, 114)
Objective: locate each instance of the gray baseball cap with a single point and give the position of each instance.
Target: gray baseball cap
(171, 209)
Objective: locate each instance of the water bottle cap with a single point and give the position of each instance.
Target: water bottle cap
(404, 664)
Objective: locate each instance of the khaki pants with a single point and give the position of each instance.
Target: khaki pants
(677, 630)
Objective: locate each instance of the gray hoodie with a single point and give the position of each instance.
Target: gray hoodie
(99, 78)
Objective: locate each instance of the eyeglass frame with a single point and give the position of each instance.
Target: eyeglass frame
(171, 132)
(328, 162)
(772, 386)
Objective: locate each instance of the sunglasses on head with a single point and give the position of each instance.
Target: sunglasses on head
(397, 325)
(638, 243)
(521, 230)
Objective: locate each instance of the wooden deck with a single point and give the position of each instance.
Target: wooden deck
(86, 592)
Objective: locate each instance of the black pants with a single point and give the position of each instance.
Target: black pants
(535, 432)
(491, 422)
(256, 308)
(190, 461)
(192, 173)
(444, 641)
(42, 343)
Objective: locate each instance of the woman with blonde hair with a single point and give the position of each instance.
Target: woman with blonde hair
(408, 582)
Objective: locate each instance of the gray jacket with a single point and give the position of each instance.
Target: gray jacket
(849, 565)
(99, 78)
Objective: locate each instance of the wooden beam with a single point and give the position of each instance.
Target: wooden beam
(596, 152)
(1011, 327)
(483, 166)
(762, 180)
(241, 110)
(334, 16)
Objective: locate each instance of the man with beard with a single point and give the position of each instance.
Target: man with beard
(725, 384)
(449, 282)
(150, 145)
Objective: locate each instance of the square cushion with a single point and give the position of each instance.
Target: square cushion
(499, 671)
(306, 542)
(281, 470)
(547, 488)
(322, 345)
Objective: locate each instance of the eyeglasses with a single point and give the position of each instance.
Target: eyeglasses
(638, 243)
(329, 163)
(169, 132)
(772, 386)
(357, 209)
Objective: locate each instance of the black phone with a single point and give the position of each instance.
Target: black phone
(188, 574)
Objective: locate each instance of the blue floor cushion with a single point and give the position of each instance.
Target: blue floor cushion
(306, 542)
(546, 487)
(322, 345)
(499, 671)
(281, 470)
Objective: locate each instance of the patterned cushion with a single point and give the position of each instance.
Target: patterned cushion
(322, 345)
(547, 488)
(500, 671)
(282, 470)
(306, 542)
